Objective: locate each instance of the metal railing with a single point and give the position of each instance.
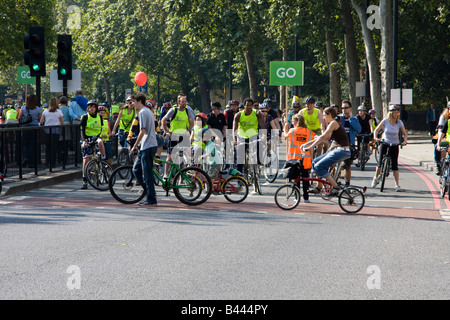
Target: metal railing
(28, 150)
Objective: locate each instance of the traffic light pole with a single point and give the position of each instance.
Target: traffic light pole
(64, 87)
(38, 90)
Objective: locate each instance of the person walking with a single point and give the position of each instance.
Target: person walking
(30, 136)
(147, 145)
(392, 126)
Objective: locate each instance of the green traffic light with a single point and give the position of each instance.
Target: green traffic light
(63, 71)
(36, 67)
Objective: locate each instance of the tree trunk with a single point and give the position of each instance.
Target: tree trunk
(387, 49)
(332, 58)
(351, 56)
(251, 74)
(204, 88)
(107, 88)
(372, 60)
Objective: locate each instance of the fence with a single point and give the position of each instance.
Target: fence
(25, 150)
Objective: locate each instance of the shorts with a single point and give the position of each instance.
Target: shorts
(89, 150)
(214, 170)
(160, 140)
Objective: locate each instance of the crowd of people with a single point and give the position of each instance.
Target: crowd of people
(330, 132)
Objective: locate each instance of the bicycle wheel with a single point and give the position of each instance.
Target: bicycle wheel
(351, 200)
(443, 183)
(125, 188)
(235, 189)
(270, 167)
(98, 174)
(123, 158)
(287, 197)
(192, 186)
(256, 172)
(362, 156)
(384, 172)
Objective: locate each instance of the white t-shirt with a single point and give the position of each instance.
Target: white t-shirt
(52, 119)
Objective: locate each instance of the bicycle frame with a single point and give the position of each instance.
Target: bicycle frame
(173, 170)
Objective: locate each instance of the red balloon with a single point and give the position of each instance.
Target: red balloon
(140, 78)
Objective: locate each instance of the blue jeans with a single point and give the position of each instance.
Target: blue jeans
(321, 164)
(143, 171)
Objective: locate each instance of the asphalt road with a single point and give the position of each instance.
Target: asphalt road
(60, 242)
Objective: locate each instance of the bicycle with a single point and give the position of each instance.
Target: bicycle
(191, 185)
(350, 199)
(98, 171)
(444, 178)
(252, 172)
(363, 150)
(233, 188)
(386, 164)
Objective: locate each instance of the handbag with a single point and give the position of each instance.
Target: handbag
(25, 118)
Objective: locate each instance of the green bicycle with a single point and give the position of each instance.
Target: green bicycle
(191, 185)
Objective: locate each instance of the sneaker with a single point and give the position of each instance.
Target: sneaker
(438, 170)
(146, 204)
(84, 186)
(306, 201)
(398, 189)
(375, 181)
(333, 192)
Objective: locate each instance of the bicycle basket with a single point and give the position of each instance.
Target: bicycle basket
(291, 169)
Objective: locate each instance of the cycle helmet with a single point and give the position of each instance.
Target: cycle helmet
(268, 102)
(263, 106)
(394, 107)
(101, 108)
(310, 100)
(444, 144)
(318, 104)
(362, 108)
(92, 102)
(167, 105)
(372, 111)
(202, 115)
(296, 104)
(149, 104)
(241, 106)
(231, 102)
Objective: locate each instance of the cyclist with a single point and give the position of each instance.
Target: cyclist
(245, 129)
(211, 155)
(314, 121)
(296, 137)
(106, 133)
(364, 121)
(124, 121)
(196, 135)
(267, 122)
(352, 127)
(374, 120)
(391, 125)
(181, 123)
(321, 164)
(91, 125)
(147, 145)
(295, 109)
(231, 112)
(443, 120)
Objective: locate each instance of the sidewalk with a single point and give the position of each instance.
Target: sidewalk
(419, 151)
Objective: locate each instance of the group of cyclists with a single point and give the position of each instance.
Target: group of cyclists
(320, 136)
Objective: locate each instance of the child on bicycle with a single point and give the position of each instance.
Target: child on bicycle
(296, 137)
(91, 127)
(213, 158)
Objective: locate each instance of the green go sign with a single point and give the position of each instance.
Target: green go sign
(286, 73)
(23, 75)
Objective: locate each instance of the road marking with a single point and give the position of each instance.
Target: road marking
(19, 198)
(445, 214)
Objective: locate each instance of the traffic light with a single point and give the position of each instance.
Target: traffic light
(35, 56)
(64, 57)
